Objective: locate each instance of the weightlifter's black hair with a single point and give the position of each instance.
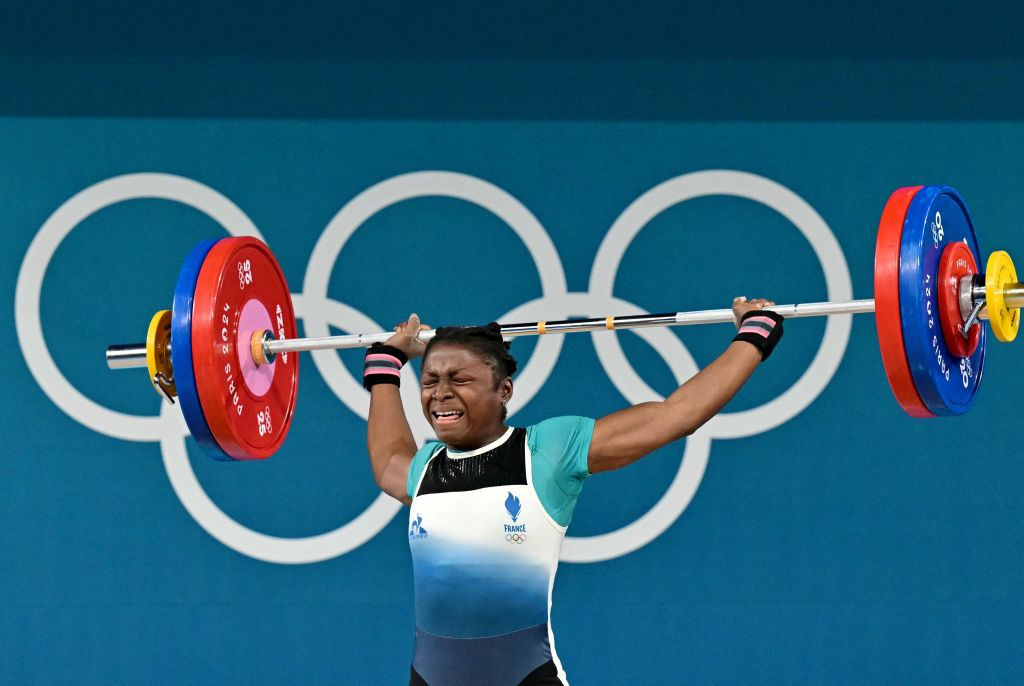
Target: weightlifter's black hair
(484, 341)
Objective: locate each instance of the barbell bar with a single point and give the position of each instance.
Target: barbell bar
(228, 347)
(133, 355)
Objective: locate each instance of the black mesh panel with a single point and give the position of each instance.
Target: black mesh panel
(502, 466)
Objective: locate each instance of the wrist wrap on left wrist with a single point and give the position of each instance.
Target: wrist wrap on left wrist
(762, 329)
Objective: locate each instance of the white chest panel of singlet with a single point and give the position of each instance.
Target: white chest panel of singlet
(485, 559)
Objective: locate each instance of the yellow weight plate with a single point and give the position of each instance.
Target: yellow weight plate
(999, 273)
(158, 354)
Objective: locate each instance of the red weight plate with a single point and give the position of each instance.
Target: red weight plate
(241, 289)
(887, 302)
(956, 262)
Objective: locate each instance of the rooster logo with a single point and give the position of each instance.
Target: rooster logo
(415, 530)
(512, 506)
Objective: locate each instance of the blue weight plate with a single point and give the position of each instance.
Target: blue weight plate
(947, 384)
(181, 351)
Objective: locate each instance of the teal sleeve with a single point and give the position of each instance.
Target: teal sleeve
(558, 451)
(419, 461)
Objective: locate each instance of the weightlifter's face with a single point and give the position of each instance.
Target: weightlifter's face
(460, 398)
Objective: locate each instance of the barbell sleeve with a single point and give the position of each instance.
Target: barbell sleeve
(126, 356)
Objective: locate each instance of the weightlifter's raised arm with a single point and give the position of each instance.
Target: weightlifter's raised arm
(623, 437)
(388, 436)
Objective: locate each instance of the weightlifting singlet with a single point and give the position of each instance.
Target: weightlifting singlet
(485, 551)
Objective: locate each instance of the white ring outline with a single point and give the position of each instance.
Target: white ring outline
(419, 185)
(28, 291)
(804, 217)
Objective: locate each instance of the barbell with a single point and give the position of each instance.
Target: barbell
(228, 347)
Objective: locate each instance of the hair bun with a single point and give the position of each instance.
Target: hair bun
(495, 328)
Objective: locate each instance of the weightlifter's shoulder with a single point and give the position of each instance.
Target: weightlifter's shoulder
(564, 442)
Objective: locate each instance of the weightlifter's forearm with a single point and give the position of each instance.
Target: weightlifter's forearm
(627, 435)
(706, 393)
(388, 435)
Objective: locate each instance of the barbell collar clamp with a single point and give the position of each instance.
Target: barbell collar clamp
(972, 318)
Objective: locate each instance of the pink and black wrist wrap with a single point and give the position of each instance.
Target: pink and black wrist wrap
(762, 329)
(382, 364)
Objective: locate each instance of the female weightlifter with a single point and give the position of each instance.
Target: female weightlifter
(490, 503)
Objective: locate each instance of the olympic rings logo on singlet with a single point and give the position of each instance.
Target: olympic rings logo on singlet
(515, 538)
(321, 312)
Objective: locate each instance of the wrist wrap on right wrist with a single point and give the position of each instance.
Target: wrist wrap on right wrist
(762, 329)
(382, 364)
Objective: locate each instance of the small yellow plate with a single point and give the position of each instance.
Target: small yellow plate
(999, 273)
(158, 354)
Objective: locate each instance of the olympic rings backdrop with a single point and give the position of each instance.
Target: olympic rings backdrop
(811, 532)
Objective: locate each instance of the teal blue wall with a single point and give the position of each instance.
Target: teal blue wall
(846, 544)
